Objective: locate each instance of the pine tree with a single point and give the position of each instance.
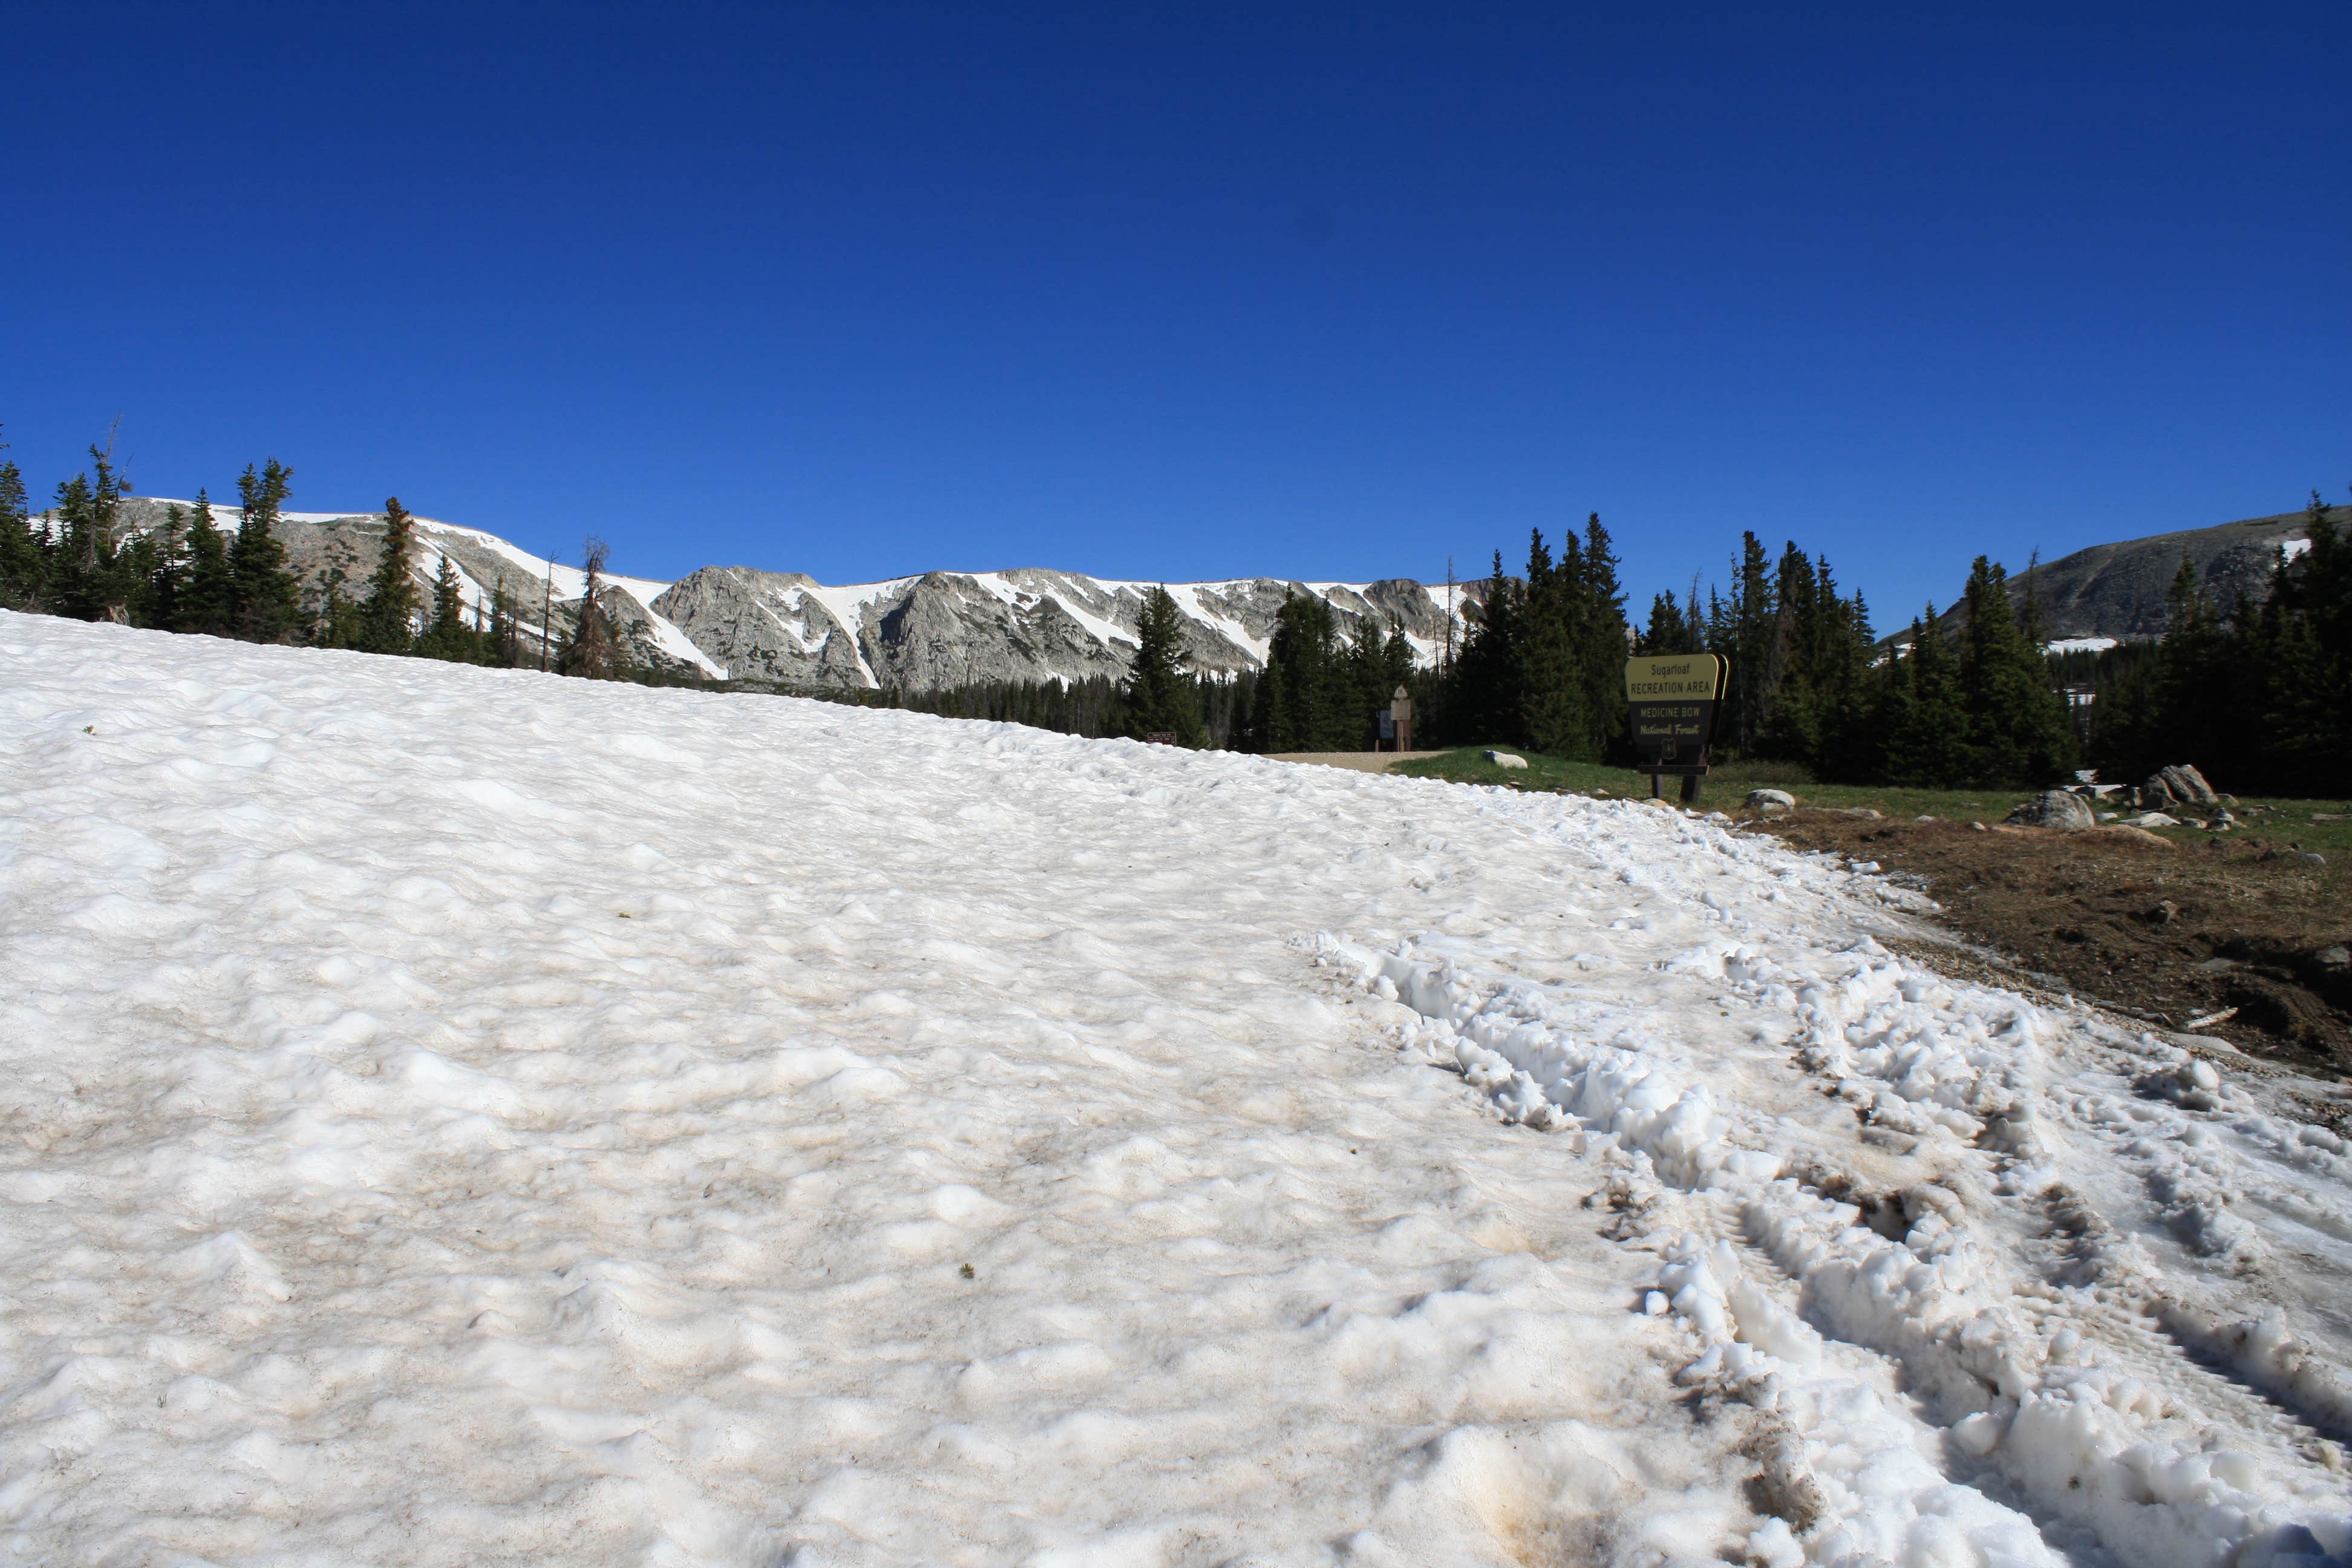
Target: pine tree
(1605, 642)
(267, 601)
(445, 635)
(1666, 632)
(1486, 699)
(24, 556)
(333, 615)
(2018, 731)
(90, 578)
(1304, 699)
(167, 584)
(388, 615)
(1553, 713)
(593, 653)
(2189, 693)
(505, 640)
(1750, 644)
(1925, 720)
(24, 551)
(210, 604)
(1159, 699)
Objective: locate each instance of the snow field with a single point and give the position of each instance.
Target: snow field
(469, 1116)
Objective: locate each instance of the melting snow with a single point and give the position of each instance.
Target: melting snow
(462, 1115)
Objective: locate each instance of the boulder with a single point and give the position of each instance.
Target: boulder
(1504, 759)
(1771, 800)
(2054, 808)
(2178, 783)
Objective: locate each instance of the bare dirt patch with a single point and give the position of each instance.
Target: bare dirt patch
(2166, 931)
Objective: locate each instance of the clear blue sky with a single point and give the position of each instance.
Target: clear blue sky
(1191, 290)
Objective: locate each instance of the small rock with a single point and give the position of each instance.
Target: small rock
(2165, 912)
(1923, 817)
(2315, 860)
(2109, 816)
(1504, 759)
(2153, 819)
(2336, 959)
(2054, 808)
(1765, 799)
(1863, 812)
(1980, 827)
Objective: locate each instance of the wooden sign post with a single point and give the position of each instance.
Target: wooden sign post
(1672, 703)
(1397, 724)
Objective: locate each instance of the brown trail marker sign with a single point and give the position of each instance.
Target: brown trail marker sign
(1672, 702)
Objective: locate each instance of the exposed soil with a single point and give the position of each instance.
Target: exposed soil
(2167, 931)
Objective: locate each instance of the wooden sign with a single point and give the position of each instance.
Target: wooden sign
(1671, 705)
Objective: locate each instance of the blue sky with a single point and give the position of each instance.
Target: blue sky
(1200, 290)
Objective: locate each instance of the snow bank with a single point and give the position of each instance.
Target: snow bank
(2034, 1366)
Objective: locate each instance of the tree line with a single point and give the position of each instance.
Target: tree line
(190, 574)
(1808, 682)
(2260, 687)
(2258, 691)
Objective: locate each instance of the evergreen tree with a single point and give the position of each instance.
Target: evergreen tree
(445, 635)
(1553, 712)
(505, 634)
(593, 653)
(2018, 730)
(210, 604)
(1747, 639)
(167, 590)
(1486, 701)
(1159, 699)
(1666, 632)
(1924, 718)
(388, 615)
(1605, 642)
(1306, 701)
(267, 603)
(334, 617)
(91, 580)
(24, 553)
(2189, 693)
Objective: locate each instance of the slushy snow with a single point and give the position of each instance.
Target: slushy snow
(460, 1116)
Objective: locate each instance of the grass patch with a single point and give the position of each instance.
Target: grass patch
(2285, 822)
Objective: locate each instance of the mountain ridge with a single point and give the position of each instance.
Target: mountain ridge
(922, 631)
(932, 629)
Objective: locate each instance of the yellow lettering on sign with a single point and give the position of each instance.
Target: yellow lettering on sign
(1685, 677)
